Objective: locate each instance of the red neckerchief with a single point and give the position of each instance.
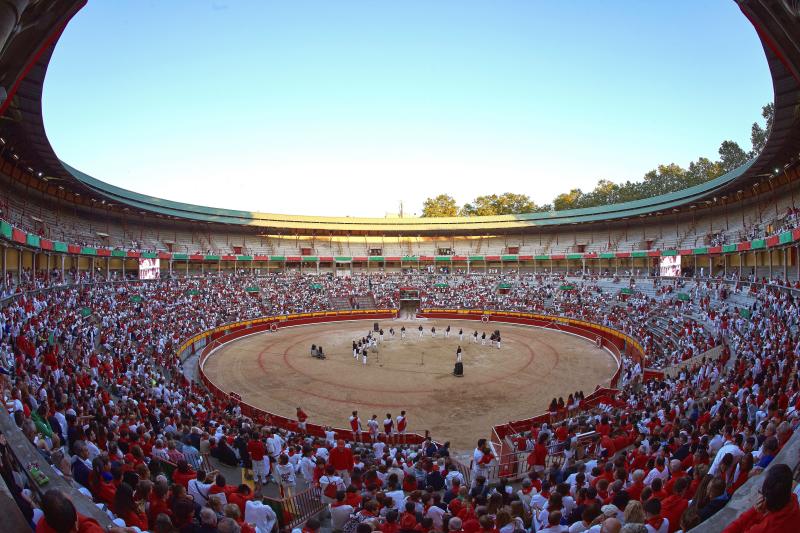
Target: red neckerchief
(655, 522)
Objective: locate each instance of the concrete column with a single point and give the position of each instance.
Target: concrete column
(19, 266)
(741, 266)
(5, 272)
(769, 254)
(785, 264)
(62, 266)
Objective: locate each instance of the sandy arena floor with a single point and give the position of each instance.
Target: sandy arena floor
(276, 372)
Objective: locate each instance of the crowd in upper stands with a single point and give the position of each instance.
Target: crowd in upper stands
(90, 376)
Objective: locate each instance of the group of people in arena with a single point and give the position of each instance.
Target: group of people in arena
(90, 376)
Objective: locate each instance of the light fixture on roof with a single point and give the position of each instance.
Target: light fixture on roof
(777, 170)
(16, 157)
(60, 187)
(2, 140)
(40, 173)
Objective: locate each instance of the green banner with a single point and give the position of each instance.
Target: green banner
(744, 312)
(567, 287)
(684, 297)
(86, 312)
(136, 298)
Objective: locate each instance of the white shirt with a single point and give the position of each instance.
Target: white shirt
(260, 515)
(340, 515)
(399, 498)
(435, 513)
(286, 474)
(379, 448)
(727, 448)
(198, 491)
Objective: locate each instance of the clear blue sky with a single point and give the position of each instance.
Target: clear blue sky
(347, 108)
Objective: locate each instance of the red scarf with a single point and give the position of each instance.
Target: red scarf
(655, 522)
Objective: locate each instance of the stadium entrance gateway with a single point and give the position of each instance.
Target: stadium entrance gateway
(409, 302)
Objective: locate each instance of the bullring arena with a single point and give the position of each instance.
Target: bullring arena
(156, 361)
(533, 365)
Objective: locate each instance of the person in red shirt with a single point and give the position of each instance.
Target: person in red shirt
(183, 474)
(302, 417)
(220, 486)
(341, 458)
(126, 508)
(775, 511)
(258, 452)
(60, 515)
(673, 506)
(536, 459)
(158, 503)
(240, 497)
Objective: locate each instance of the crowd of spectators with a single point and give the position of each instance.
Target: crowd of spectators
(90, 376)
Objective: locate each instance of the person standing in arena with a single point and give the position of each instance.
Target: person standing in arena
(402, 422)
(355, 351)
(388, 427)
(475, 336)
(447, 332)
(364, 356)
(420, 331)
(483, 339)
(372, 426)
(302, 417)
(403, 332)
(460, 335)
(355, 426)
(433, 331)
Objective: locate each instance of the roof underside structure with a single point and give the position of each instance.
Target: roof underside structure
(28, 47)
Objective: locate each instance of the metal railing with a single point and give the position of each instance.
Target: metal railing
(294, 509)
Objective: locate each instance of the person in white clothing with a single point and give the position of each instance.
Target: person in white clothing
(330, 436)
(373, 428)
(284, 473)
(658, 471)
(260, 515)
(198, 489)
(553, 523)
